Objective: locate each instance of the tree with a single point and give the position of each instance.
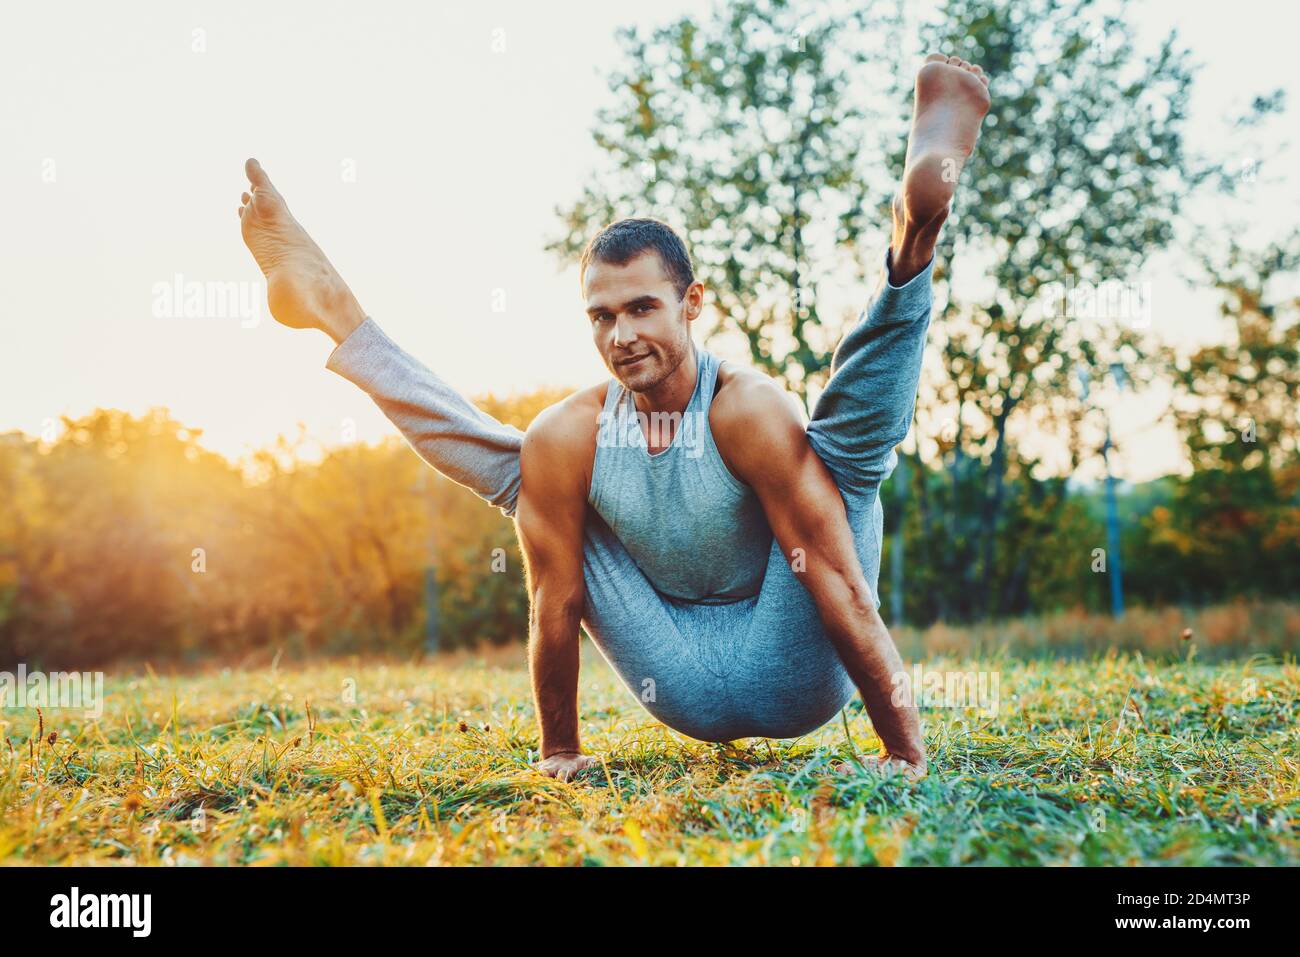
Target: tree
(753, 130)
(1080, 175)
(1239, 399)
(1233, 526)
(744, 132)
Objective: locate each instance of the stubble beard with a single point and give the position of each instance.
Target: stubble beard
(660, 368)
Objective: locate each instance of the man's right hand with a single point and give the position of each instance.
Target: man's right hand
(888, 764)
(566, 764)
(885, 764)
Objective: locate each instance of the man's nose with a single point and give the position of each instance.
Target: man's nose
(624, 334)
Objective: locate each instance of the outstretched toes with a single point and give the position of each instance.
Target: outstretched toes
(261, 197)
(958, 62)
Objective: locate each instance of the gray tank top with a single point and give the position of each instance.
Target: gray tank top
(698, 532)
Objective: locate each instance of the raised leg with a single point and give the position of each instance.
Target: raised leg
(305, 291)
(444, 428)
(866, 408)
(788, 671)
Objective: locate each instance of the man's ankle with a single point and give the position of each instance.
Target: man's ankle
(912, 247)
(904, 267)
(344, 317)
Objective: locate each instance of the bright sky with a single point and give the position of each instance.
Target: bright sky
(425, 162)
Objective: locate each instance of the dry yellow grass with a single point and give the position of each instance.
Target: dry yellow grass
(1109, 761)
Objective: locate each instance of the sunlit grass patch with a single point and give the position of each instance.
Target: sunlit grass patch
(1113, 761)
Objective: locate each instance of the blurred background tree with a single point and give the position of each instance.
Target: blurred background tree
(123, 538)
(1232, 527)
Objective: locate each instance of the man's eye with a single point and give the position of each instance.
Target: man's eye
(644, 308)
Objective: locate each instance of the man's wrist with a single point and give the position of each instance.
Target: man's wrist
(912, 247)
(574, 751)
(910, 755)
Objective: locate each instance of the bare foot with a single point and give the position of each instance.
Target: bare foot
(303, 288)
(952, 97)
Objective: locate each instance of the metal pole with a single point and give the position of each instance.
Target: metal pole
(1113, 563)
(431, 610)
(896, 553)
(430, 573)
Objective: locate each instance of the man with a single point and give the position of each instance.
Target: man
(712, 546)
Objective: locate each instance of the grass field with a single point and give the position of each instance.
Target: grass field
(1118, 761)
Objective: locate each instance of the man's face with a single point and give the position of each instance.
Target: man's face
(638, 324)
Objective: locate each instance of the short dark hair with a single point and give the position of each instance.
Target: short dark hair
(622, 241)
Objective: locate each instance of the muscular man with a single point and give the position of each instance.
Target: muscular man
(721, 556)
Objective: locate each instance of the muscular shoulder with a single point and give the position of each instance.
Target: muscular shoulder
(747, 401)
(560, 444)
(753, 419)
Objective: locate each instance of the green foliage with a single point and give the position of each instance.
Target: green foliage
(1232, 527)
(1240, 396)
(1079, 175)
(1041, 553)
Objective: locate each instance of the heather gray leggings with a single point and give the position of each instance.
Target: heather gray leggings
(763, 666)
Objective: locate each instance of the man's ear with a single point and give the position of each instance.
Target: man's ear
(694, 300)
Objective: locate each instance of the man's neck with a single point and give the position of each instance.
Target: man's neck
(663, 406)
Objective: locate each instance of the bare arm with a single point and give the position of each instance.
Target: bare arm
(804, 507)
(549, 521)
